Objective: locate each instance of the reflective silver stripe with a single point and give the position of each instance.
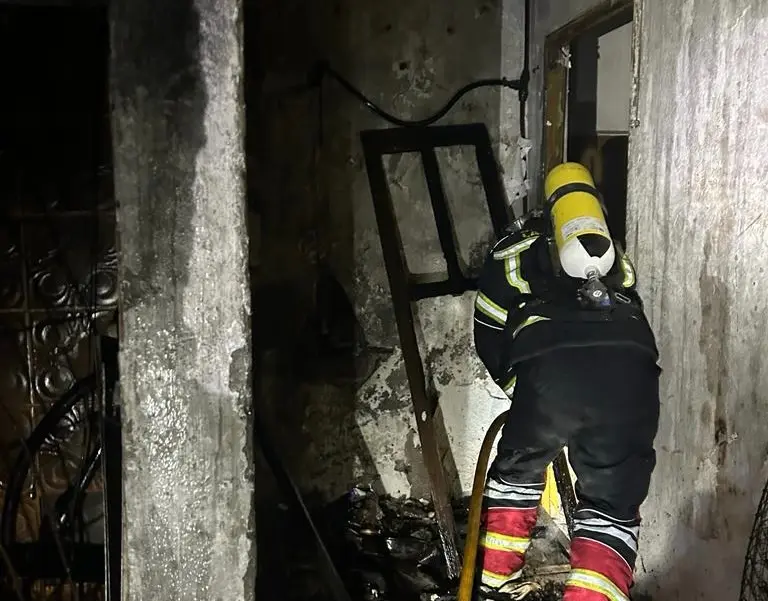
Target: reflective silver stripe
(594, 581)
(497, 495)
(600, 521)
(515, 249)
(486, 306)
(502, 485)
(511, 492)
(599, 526)
(529, 321)
(607, 517)
(488, 325)
(584, 532)
(604, 525)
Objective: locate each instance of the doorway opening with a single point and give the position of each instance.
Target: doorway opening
(587, 96)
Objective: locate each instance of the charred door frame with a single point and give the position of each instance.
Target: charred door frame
(605, 17)
(404, 288)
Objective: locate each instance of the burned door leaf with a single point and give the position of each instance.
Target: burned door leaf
(376, 144)
(404, 290)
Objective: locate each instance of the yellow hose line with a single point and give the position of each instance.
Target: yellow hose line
(475, 509)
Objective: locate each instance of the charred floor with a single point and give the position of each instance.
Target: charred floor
(388, 549)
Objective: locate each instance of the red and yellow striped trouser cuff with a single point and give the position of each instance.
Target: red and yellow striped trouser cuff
(494, 580)
(503, 558)
(496, 541)
(581, 580)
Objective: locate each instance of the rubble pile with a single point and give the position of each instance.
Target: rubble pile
(391, 550)
(384, 548)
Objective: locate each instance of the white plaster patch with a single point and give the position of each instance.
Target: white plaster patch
(377, 389)
(513, 154)
(386, 437)
(469, 400)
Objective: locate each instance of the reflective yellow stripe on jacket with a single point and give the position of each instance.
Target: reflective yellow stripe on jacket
(527, 322)
(509, 387)
(511, 258)
(514, 277)
(490, 309)
(627, 269)
(515, 249)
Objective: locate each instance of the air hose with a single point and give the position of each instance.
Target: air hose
(467, 578)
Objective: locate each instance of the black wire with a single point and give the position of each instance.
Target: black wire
(525, 76)
(325, 69)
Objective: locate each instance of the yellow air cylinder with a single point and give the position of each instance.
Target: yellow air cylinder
(584, 244)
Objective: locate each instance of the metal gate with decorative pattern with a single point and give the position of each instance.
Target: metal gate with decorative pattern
(58, 259)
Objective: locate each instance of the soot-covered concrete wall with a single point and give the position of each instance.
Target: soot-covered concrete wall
(697, 228)
(309, 186)
(176, 88)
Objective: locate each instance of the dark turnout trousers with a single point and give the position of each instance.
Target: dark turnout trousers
(603, 403)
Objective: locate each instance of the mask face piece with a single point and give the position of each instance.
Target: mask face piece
(584, 244)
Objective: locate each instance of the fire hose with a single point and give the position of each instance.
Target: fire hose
(467, 578)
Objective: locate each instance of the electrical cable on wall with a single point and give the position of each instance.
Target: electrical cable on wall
(323, 69)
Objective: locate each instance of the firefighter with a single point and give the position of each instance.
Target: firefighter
(560, 328)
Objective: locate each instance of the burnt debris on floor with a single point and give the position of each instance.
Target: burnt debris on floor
(391, 547)
(388, 549)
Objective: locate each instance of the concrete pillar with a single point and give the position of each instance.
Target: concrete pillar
(698, 230)
(185, 360)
